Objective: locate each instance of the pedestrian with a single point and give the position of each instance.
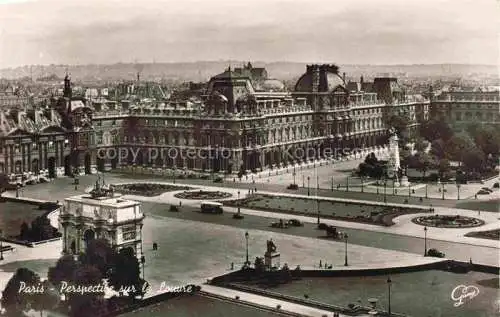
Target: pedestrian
(180, 203)
(76, 187)
(232, 265)
(234, 180)
(470, 260)
(249, 191)
(255, 189)
(475, 196)
(320, 264)
(155, 246)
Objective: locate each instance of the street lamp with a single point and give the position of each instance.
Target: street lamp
(362, 185)
(442, 190)
(426, 196)
(332, 183)
(317, 206)
(1, 245)
(303, 181)
(293, 175)
(239, 203)
(458, 191)
(345, 238)
(425, 241)
(389, 282)
(308, 191)
(247, 262)
(317, 182)
(347, 184)
(385, 190)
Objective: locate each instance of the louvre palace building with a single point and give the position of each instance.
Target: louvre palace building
(241, 121)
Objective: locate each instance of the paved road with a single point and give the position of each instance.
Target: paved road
(326, 192)
(453, 250)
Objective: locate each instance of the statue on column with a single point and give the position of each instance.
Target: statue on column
(271, 247)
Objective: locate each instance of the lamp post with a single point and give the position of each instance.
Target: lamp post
(317, 182)
(143, 261)
(442, 190)
(332, 183)
(345, 238)
(389, 282)
(247, 262)
(239, 203)
(308, 189)
(458, 191)
(317, 207)
(303, 181)
(426, 196)
(362, 185)
(293, 175)
(425, 241)
(385, 190)
(347, 184)
(1, 245)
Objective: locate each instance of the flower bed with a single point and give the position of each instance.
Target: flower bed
(490, 234)
(445, 221)
(346, 211)
(146, 189)
(203, 195)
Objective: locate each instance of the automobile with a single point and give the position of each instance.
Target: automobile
(322, 226)
(218, 180)
(496, 185)
(487, 189)
(238, 216)
(332, 232)
(295, 223)
(483, 192)
(279, 224)
(435, 253)
(293, 187)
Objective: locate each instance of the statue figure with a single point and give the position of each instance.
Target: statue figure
(271, 247)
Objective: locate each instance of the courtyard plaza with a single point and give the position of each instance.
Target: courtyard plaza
(61, 188)
(192, 252)
(345, 185)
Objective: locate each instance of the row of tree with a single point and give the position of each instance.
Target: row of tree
(40, 230)
(476, 148)
(99, 263)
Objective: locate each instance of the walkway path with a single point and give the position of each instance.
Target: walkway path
(269, 302)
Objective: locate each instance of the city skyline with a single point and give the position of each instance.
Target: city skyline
(384, 32)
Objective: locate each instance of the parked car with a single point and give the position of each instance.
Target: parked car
(295, 223)
(293, 187)
(483, 192)
(280, 224)
(435, 253)
(332, 232)
(496, 185)
(322, 226)
(218, 180)
(487, 189)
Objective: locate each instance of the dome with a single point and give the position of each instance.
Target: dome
(327, 79)
(271, 85)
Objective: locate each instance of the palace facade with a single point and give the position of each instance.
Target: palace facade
(243, 122)
(465, 107)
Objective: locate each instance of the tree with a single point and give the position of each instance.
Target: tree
(48, 299)
(24, 233)
(400, 123)
(15, 301)
(436, 129)
(126, 273)
(487, 138)
(91, 303)
(438, 148)
(458, 145)
(474, 159)
(424, 162)
(99, 254)
(443, 167)
(63, 271)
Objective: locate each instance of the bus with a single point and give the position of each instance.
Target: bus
(211, 207)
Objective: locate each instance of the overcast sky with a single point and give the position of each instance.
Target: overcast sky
(345, 32)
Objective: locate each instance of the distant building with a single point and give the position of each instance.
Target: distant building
(241, 121)
(464, 107)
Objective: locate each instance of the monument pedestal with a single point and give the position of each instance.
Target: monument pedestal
(404, 181)
(272, 260)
